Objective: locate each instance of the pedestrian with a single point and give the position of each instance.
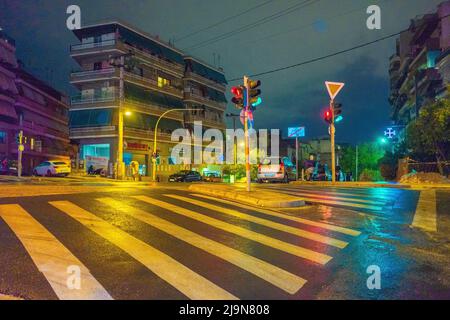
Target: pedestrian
(134, 170)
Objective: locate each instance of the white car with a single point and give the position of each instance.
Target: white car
(52, 168)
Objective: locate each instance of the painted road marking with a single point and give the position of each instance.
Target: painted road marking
(51, 257)
(191, 284)
(287, 217)
(425, 216)
(335, 202)
(268, 272)
(274, 225)
(254, 236)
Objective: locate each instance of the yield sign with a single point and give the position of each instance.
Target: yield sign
(334, 88)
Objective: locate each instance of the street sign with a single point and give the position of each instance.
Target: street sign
(296, 132)
(334, 88)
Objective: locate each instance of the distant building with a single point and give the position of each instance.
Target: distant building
(419, 70)
(157, 77)
(30, 105)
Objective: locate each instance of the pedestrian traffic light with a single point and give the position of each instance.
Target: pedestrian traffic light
(253, 92)
(238, 96)
(327, 116)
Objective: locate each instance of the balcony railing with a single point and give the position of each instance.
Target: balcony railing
(92, 131)
(151, 83)
(93, 74)
(147, 134)
(204, 100)
(92, 45)
(191, 75)
(79, 100)
(154, 109)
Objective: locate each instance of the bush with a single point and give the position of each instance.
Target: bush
(388, 166)
(370, 175)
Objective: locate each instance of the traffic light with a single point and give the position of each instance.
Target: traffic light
(337, 112)
(327, 116)
(253, 92)
(19, 138)
(238, 96)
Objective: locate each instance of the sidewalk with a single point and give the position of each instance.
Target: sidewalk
(372, 184)
(238, 193)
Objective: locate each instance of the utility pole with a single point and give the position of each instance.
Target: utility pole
(333, 149)
(296, 158)
(247, 140)
(356, 166)
(20, 148)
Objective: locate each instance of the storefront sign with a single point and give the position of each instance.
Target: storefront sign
(96, 162)
(136, 146)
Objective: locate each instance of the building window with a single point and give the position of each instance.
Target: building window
(2, 137)
(162, 82)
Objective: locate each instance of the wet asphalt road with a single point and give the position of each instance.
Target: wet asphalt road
(321, 262)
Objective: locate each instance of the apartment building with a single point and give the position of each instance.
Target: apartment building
(28, 104)
(156, 78)
(419, 70)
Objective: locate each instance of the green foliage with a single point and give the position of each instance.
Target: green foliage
(388, 165)
(370, 175)
(368, 156)
(429, 136)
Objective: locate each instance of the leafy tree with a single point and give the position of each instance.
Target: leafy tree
(368, 156)
(429, 135)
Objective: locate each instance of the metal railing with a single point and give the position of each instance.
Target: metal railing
(92, 45)
(76, 100)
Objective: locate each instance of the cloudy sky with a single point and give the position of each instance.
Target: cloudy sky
(294, 97)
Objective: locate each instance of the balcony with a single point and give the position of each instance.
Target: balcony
(107, 45)
(93, 132)
(211, 123)
(171, 67)
(38, 129)
(153, 109)
(196, 98)
(147, 134)
(195, 77)
(152, 84)
(85, 102)
(94, 75)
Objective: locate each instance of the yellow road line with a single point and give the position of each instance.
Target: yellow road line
(274, 225)
(193, 285)
(287, 217)
(254, 236)
(425, 215)
(270, 273)
(52, 258)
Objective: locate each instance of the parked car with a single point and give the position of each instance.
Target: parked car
(276, 169)
(52, 168)
(185, 176)
(8, 167)
(212, 177)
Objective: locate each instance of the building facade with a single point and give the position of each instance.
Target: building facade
(29, 105)
(155, 78)
(419, 70)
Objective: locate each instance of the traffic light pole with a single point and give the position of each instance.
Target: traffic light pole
(333, 149)
(20, 148)
(247, 142)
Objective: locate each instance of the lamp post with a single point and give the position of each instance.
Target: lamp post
(155, 138)
(119, 62)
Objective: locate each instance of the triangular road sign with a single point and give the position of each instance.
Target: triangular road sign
(334, 88)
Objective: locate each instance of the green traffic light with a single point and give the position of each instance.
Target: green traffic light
(257, 102)
(339, 118)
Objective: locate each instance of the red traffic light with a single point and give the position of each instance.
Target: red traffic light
(327, 116)
(237, 92)
(238, 99)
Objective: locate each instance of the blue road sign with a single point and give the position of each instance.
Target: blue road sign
(296, 132)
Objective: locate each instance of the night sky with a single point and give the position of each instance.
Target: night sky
(295, 97)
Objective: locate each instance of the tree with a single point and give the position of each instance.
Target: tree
(368, 156)
(429, 135)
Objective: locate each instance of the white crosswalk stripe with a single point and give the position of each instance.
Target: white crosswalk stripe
(370, 200)
(38, 242)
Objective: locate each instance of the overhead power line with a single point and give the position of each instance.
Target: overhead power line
(328, 55)
(222, 21)
(255, 24)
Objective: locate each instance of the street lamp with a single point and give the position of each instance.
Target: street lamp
(155, 137)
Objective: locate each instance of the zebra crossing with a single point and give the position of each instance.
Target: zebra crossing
(373, 200)
(203, 227)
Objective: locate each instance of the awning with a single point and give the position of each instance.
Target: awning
(7, 110)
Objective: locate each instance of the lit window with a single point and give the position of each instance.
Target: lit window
(163, 82)
(2, 137)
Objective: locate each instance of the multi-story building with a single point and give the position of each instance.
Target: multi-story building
(419, 70)
(29, 105)
(156, 78)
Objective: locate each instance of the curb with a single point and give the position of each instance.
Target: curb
(353, 184)
(245, 199)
